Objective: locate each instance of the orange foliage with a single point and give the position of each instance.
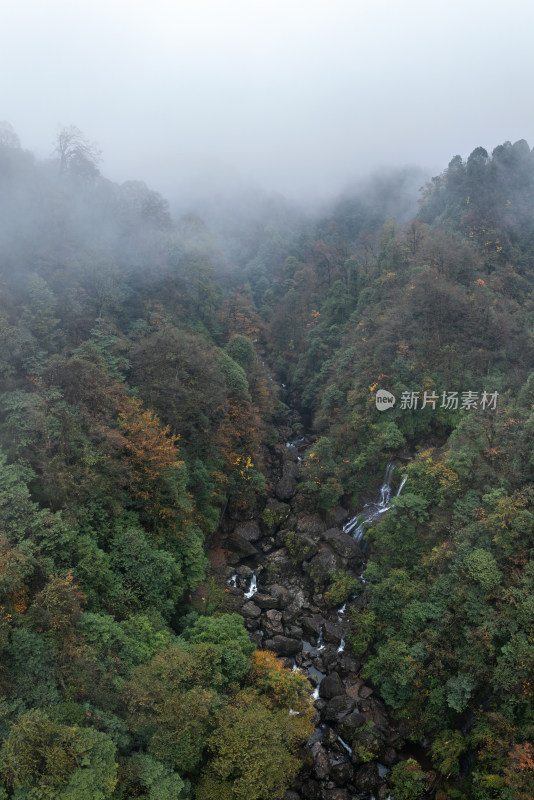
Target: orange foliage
(151, 448)
(281, 686)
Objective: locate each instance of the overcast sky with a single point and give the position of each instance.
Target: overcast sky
(297, 96)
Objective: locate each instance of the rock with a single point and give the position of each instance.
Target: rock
(349, 724)
(343, 544)
(390, 757)
(283, 645)
(281, 594)
(339, 515)
(250, 531)
(256, 638)
(294, 631)
(312, 625)
(286, 488)
(311, 789)
(366, 778)
(291, 612)
(342, 773)
(265, 601)
(278, 566)
(310, 524)
(273, 623)
(321, 765)
(334, 631)
(335, 794)
(322, 564)
(291, 469)
(338, 707)
(291, 796)
(331, 686)
(240, 545)
(250, 610)
(300, 546)
(365, 692)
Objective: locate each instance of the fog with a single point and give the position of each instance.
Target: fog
(208, 98)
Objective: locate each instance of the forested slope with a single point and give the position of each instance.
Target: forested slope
(138, 411)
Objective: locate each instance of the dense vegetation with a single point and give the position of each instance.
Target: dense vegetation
(135, 412)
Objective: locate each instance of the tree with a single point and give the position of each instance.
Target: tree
(252, 751)
(76, 153)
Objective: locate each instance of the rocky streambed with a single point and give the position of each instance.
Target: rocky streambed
(277, 570)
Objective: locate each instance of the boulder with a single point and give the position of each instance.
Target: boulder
(250, 531)
(341, 773)
(240, 545)
(265, 601)
(349, 723)
(331, 686)
(278, 566)
(283, 645)
(286, 488)
(312, 625)
(343, 544)
(334, 631)
(338, 707)
(291, 612)
(323, 564)
(366, 778)
(273, 623)
(250, 610)
(321, 764)
(310, 524)
(335, 794)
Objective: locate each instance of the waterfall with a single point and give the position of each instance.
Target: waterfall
(345, 745)
(253, 588)
(233, 581)
(401, 487)
(320, 645)
(315, 695)
(358, 525)
(341, 646)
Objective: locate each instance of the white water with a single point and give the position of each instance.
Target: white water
(315, 695)
(320, 645)
(341, 646)
(358, 524)
(345, 745)
(233, 581)
(253, 588)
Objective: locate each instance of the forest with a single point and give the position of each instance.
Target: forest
(188, 420)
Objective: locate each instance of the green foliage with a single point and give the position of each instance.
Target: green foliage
(343, 585)
(446, 750)
(407, 780)
(252, 752)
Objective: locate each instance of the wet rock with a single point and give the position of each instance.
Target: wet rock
(331, 686)
(338, 707)
(273, 623)
(321, 765)
(240, 545)
(265, 601)
(283, 645)
(333, 631)
(250, 531)
(343, 544)
(312, 625)
(366, 778)
(250, 610)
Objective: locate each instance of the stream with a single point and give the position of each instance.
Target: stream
(276, 576)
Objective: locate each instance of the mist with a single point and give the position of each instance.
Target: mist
(298, 99)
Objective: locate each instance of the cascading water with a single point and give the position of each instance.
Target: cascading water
(320, 643)
(372, 511)
(233, 581)
(253, 588)
(341, 646)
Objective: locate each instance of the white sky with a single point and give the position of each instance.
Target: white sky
(297, 96)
